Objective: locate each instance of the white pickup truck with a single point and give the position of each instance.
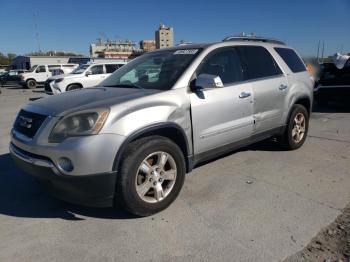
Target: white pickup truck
(38, 74)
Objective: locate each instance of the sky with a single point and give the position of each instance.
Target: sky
(72, 25)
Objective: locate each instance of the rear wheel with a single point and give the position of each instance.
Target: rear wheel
(296, 129)
(73, 87)
(151, 175)
(31, 84)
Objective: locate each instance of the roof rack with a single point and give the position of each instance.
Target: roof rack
(254, 38)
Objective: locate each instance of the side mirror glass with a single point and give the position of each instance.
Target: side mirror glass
(205, 81)
(88, 73)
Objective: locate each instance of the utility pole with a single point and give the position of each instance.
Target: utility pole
(318, 51)
(322, 52)
(36, 32)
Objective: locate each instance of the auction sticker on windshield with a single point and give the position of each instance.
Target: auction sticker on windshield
(186, 52)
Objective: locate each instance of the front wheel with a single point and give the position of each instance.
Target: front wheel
(296, 129)
(73, 87)
(31, 84)
(151, 175)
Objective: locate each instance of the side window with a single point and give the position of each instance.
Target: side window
(110, 68)
(41, 69)
(257, 62)
(97, 69)
(291, 59)
(120, 65)
(224, 63)
(52, 68)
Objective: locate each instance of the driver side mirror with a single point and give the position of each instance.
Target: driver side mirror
(88, 73)
(205, 81)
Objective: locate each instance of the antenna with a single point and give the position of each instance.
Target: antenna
(36, 32)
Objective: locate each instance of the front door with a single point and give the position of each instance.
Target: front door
(96, 77)
(224, 115)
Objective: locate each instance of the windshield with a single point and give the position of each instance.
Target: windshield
(32, 68)
(158, 70)
(80, 69)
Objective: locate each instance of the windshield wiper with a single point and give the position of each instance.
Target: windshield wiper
(127, 86)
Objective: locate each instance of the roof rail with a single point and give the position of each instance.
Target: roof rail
(254, 38)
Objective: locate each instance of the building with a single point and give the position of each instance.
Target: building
(26, 62)
(164, 37)
(117, 49)
(148, 45)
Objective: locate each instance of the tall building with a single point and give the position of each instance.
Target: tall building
(164, 37)
(147, 45)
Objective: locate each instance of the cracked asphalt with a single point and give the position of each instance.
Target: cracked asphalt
(256, 204)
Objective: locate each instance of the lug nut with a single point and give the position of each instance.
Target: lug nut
(155, 183)
(160, 180)
(150, 179)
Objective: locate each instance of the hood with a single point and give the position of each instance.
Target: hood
(85, 98)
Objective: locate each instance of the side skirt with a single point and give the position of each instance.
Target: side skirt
(216, 152)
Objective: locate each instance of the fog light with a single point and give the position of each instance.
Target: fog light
(65, 164)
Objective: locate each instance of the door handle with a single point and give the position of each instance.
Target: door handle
(244, 95)
(282, 87)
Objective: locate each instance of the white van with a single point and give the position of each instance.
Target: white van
(38, 74)
(87, 75)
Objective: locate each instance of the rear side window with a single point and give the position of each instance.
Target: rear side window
(110, 68)
(257, 62)
(224, 63)
(291, 59)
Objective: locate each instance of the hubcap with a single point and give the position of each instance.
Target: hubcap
(156, 177)
(298, 130)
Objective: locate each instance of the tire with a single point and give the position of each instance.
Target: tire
(73, 87)
(31, 84)
(135, 174)
(294, 135)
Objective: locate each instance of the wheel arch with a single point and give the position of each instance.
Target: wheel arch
(171, 131)
(71, 84)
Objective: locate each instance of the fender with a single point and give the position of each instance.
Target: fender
(156, 129)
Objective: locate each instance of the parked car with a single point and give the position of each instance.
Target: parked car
(11, 77)
(38, 74)
(131, 141)
(87, 75)
(333, 83)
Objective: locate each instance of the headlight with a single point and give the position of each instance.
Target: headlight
(58, 80)
(83, 123)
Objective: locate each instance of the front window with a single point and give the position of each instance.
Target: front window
(32, 69)
(158, 70)
(79, 70)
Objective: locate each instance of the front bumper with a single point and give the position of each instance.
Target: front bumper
(89, 190)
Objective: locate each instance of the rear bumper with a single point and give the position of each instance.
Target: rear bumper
(91, 190)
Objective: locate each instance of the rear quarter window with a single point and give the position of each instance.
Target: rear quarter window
(291, 59)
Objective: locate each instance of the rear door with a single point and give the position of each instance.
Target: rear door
(221, 116)
(269, 86)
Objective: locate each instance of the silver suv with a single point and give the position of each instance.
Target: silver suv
(132, 140)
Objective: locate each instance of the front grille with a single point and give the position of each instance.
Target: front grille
(48, 87)
(28, 123)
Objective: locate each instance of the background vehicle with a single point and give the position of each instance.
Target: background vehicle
(333, 83)
(11, 77)
(38, 74)
(131, 141)
(87, 75)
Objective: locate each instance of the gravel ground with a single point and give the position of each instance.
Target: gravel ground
(332, 243)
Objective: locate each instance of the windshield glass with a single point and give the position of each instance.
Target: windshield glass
(158, 70)
(33, 68)
(80, 69)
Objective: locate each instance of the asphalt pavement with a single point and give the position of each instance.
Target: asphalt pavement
(256, 204)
